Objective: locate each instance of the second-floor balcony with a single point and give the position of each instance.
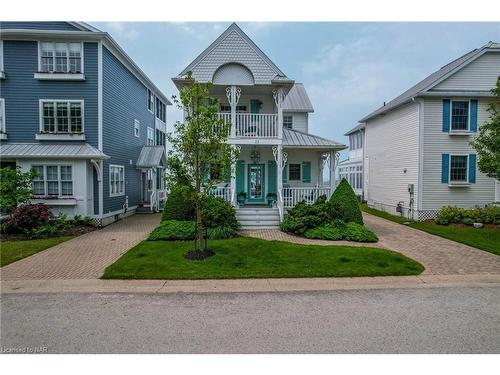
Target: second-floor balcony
(251, 125)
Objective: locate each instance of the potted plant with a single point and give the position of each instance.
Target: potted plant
(241, 198)
(271, 199)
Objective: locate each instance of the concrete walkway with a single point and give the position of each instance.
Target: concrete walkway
(438, 255)
(86, 256)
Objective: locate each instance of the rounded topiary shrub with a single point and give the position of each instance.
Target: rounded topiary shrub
(216, 212)
(306, 216)
(179, 204)
(174, 230)
(345, 205)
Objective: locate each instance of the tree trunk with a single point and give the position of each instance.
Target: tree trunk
(200, 240)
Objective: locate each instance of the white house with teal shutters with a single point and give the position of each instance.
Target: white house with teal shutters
(80, 112)
(269, 116)
(417, 153)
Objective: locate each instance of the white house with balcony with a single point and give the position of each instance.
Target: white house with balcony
(352, 168)
(269, 117)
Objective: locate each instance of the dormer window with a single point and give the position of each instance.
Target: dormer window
(288, 121)
(60, 57)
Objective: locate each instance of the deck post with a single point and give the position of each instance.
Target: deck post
(233, 94)
(279, 97)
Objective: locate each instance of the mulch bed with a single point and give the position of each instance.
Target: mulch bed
(460, 225)
(199, 254)
(76, 230)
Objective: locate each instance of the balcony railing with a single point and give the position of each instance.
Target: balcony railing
(294, 195)
(251, 125)
(221, 192)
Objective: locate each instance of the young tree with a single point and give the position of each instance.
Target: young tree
(487, 143)
(199, 147)
(15, 188)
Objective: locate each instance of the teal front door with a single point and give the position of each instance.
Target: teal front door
(256, 187)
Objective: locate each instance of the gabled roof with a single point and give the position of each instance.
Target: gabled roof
(51, 150)
(297, 100)
(355, 129)
(151, 157)
(295, 138)
(433, 79)
(230, 56)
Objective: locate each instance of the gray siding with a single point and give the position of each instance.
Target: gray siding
(38, 25)
(437, 194)
(124, 99)
(300, 121)
(391, 146)
(22, 91)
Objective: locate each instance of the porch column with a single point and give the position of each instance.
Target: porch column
(321, 166)
(233, 94)
(98, 165)
(334, 159)
(281, 158)
(279, 97)
(155, 192)
(233, 178)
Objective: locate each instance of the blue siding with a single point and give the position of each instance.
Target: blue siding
(124, 99)
(56, 25)
(22, 91)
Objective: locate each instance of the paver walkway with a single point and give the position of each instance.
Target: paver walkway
(86, 256)
(438, 255)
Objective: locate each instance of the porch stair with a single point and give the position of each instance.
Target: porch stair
(254, 218)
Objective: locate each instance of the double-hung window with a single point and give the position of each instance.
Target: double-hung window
(150, 141)
(294, 172)
(137, 128)
(458, 168)
(161, 110)
(459, 115)
(116, 180)
(288, 121)
(60, 57)
(53, 180)
(61, 116)
(151, 101)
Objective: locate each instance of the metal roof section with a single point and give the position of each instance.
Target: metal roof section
(297, 100)
(151, 157)
(295, 138)
(355, 129)
(433, 79)
(50, 151)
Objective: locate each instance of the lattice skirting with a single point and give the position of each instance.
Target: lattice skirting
(427, 214)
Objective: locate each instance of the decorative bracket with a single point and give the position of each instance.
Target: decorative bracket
(97, 165)
(279, 97)
(284, 157)
(233, 94)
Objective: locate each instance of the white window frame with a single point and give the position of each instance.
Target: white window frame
(67, 57)
(45, 181)
(137, 128)
(1, 59)
(2, 115)
(148, 138)
(116, 193)
(151, 96)
(69, 101)
(157, 109)
(288, 115)
(451, 116)
(300, 169)
(457, 182)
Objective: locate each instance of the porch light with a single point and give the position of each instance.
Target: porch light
(255, 156)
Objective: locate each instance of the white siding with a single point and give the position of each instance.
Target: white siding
(480, 75)
(268, 105)
(435, 193)
(391, 146)
(300, 121)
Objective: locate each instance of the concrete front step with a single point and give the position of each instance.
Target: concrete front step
(254, 218)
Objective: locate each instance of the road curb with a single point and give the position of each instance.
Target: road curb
(246, 285)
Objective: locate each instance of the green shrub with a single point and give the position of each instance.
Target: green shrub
(179, 204)
(468, 221)
(218, 233)
(216, 213)
(359, 233)
(326, 232)
(345, 205)
(306, 216)
(172, 230)
(488, 214)
(15, 188)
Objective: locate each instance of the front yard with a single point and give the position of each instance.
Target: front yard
(245, 257)
(11, 251)
(487, 239)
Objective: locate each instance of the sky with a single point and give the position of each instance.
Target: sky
(348, 69)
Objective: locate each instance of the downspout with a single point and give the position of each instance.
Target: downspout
(420, 165)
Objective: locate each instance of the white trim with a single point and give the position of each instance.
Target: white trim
(497, 191)
(82, 60)
(2, 75)
(152, 130)
(122, 193)
(459, 182)
(40, 114)
(137, 128)
(117, 212)
(55, 202)
(59, 76)
(460, 131)
(2, 114)
(99, 98)
(421, 137)
(60, 136)
(149, 93)
(59, 186)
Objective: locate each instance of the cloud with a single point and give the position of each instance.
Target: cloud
(123, 30)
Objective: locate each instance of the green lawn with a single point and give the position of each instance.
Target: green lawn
(11, 251)
(487, 239)
(246, 257)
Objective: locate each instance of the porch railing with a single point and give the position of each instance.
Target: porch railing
(294, 195)
(254, 125)
(222, 192)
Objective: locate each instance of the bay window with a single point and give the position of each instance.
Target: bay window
(60, 57)
(61, 116)
(52, 180)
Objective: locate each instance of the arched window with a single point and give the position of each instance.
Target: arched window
(233, 74)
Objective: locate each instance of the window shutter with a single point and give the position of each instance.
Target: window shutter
(472, 168)
(255, 105)
(271, 171)
(285, 174)
(445, 168)
(306, 171)
(227, 174)
(240, 176)
(446, 115)
(473, 115)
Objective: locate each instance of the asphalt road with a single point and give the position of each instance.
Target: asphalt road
(438, 320)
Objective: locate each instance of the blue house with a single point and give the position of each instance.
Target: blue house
(77, 109)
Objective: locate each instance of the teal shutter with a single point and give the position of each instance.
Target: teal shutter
(445, 168)
(446, 115)
(306, 171)
(240, 176)
(473, 115)
(255, 106)
(472, 168)
(227, 174)
(271, 173)
(284, 175)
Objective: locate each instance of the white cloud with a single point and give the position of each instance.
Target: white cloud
(123, 30)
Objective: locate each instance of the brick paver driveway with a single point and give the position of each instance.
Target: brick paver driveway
(438, 255)
(84, 257)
